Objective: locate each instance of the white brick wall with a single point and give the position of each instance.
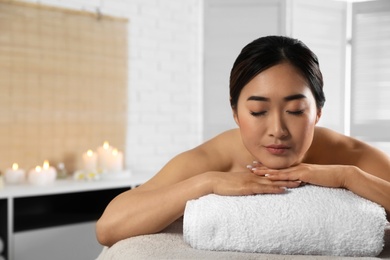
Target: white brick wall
(164, 75)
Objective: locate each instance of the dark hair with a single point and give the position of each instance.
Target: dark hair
(268, 51)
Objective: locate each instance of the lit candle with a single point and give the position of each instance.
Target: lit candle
(90, 161)
(104, 156)
(14, 175)
(116, 161)
(37, 176)
(50, 171)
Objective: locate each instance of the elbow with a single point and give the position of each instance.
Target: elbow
(104, 233)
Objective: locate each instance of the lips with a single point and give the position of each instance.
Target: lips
(277, 149)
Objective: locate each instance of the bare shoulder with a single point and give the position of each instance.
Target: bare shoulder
(231, 153)
(228, 139)
(331, 147)
(220, 152)
(216, 154)
(330, 138)
(326, 134)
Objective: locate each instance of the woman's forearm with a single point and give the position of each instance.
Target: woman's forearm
(369, 187)
(148, 210)
(139, 211)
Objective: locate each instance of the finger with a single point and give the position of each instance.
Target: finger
(277, 187)
(257, 164)
(264, 181)
(263, 171)
(262, 189)
(282, 176)
(287, 184)
(254, 165)
(259, 172)
(251, 168)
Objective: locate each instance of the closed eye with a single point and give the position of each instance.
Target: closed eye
(297, 112)
(261, 113)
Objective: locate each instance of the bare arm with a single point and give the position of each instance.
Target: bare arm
(143, 211)
(341, 161)
(192, 174)
(370, 187)
(368, 174)
(155, 204)
(371, 176)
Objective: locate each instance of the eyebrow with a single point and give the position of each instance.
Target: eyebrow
(288, 98)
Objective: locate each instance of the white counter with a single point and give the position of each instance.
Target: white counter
(70, 185)
(29, 213)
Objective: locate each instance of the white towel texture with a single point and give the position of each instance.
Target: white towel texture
(309, 220)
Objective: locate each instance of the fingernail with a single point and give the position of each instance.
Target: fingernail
(266, 175)
(249, 166)
(255, 162)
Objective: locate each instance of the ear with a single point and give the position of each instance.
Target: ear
(235, 116)
(319, 113)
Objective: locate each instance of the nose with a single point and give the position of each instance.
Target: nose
(277, 127)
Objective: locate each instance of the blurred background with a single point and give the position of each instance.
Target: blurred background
(151, 76)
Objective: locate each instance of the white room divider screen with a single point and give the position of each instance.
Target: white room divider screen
(370, 85)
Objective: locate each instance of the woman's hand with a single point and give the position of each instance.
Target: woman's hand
(322, 175)
(247, 183)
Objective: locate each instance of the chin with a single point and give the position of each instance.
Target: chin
(278, 164)
(277, 167)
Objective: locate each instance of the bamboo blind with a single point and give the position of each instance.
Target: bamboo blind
(63, 84)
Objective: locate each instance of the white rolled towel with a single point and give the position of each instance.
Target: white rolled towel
(307, 220)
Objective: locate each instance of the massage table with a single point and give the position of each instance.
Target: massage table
(169, 244)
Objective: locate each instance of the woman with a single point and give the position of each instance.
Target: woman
(276, 96)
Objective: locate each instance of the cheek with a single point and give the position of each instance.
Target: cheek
(252, 133)
(248, 128)
(247, 123)
(244, 123)
(304, 132)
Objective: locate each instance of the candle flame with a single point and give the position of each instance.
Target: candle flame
(38, 168)
(46, 164)
(89, 153)
(15, 166)
(115, 152)
(106, 145)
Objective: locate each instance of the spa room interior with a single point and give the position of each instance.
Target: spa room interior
(97, 96)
